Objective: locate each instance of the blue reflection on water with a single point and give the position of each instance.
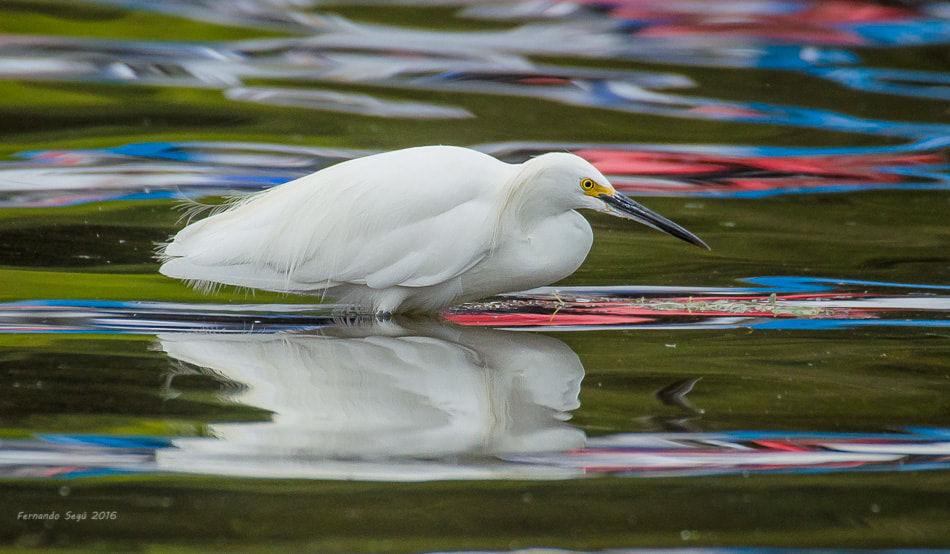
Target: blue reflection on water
(921, 84)
(793, 283)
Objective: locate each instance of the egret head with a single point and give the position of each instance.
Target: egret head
(573, 181)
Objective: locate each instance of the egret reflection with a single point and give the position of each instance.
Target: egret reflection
(373, 400)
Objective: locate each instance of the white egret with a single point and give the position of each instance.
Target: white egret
(418, 229)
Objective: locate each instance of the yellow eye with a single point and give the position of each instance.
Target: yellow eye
(587, 184)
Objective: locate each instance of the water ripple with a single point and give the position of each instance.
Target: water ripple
(770, 303)
(679, 455)
(790, 36)
(195, 169)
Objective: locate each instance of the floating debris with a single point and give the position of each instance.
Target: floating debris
(747, 306)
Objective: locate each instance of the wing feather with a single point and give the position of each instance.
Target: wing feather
(411, 218)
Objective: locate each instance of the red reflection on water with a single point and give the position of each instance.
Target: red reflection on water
(738, 173)
(776, 22)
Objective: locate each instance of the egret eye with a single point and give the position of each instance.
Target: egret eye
(587, 184)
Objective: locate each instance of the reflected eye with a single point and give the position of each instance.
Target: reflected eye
(587, 184)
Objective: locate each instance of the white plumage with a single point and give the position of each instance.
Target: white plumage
(410, 230)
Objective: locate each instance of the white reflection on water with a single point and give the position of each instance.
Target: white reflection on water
(343, 102)
(374, 401)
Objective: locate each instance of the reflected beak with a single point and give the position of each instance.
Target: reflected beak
(628, 209)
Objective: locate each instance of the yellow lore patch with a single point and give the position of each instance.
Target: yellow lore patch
(591, 188)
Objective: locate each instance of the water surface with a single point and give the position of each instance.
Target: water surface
(788, 388)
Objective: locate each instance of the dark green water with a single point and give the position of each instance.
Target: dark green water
(789, 388)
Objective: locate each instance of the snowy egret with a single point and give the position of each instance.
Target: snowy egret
(418, 229)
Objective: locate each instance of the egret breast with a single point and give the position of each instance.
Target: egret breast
(541, 255)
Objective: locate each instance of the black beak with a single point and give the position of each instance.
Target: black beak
(632, 210)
